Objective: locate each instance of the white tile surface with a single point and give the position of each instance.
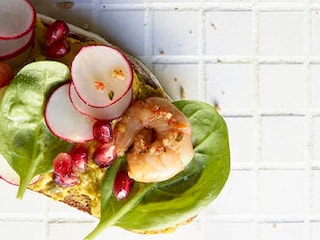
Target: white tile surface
(283, 140)
(227, 82)
(282, 86)
(277, 194)
(240, 186)
(315, 198)
(259, 62)
(281, 33)
(315, 85)
(179, 80)
(175, 32)
(242, 140)
(228, 32)
(279, 231)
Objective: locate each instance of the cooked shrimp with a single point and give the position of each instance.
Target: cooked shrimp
(160, 139)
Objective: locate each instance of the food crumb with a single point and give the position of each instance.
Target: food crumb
(118, 74)
(161, 52)
(213, 26)
(216, 106)
(182, 93)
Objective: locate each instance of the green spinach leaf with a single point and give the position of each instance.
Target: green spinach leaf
(164, 204)
(26, 142)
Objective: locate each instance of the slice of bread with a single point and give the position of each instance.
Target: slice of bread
(86, 195)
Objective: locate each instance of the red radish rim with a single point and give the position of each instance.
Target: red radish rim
(20, 50)
(72, 101)
(102, 108)
(130, 71)
(33, 181)
(48, 125)
(30, 28)
(15, 183)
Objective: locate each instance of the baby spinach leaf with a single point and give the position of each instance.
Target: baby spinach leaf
(26, 142)
(160, 205)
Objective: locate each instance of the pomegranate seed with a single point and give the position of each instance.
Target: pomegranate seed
(80, 156)
(102, 131)
(104, 155)
(63, 173)
(122, 185)
(58, 49)
(57, 32)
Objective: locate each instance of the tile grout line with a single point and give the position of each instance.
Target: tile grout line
(202, 81)
(207, 6)
(149, 29)
(202, 78)
(256, 115)
(309, 120)
(95, 15)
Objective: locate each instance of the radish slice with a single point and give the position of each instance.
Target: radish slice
(101, 75)
(18, 18)
(107, 113)
(9, 175)
(64, 120)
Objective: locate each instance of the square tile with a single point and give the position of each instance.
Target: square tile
(282, 86)
(315, 230)
(284, 1)
(175, 32)
(240, 186)
(281, 231)
(229, 85)
(180, 81)
(229, 231)
(32, 203)
(61, 210)
(77, 1)
(316, 131)
(315, 32)
(190, 231)
(22, 230)
(80, 18)
(127, 34)
(281, 33)
(228, 33)
(170, 1)
(74, 15)
(315, 85)
(241, 140)
(62, 230)
(281, 192)
(315, 194)
(283, 140)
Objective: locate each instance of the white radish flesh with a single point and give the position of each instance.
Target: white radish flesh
(8, 174)
(18, 18)
(64, 120)
(101, 75)
(110, 112)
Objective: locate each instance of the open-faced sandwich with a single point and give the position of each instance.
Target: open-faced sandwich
(88, 125)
